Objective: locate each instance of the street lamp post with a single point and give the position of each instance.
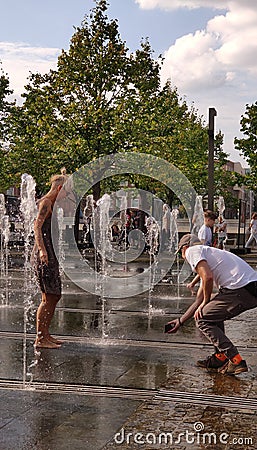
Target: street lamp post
(212, 114)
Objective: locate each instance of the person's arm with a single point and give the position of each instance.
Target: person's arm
(207, 286)
(191, 285)
(43, 212)
(194, 281)
(202, 298)
(189, 312)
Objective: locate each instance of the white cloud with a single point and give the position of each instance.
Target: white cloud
(194, 4)
(217, 66)
(238, 37)
(192, 64)
(179, 4)
(19, 60)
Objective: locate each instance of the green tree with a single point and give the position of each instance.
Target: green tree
(102, 100)
(172, 130)
(5, 108)
(69, 116)
(247, 145)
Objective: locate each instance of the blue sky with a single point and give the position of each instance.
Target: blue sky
(210, 54)
(50, 23)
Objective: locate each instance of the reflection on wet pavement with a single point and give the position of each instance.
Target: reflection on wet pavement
(119, 346)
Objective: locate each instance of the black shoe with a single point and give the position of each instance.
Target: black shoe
(211, 363)
(233, 369)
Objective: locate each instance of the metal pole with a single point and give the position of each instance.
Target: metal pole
(212, 114)
(239, 223)
(244, 223)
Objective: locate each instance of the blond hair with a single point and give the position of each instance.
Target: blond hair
(58, 180)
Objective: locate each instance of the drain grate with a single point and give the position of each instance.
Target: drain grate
(122, 342)
(80, 389)
(208, 400)
(195, 398)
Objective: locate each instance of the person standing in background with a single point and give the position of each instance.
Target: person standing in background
(205, 232)
(253, 231)
(221, 230)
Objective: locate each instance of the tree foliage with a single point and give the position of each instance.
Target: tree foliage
(72, 115)
(247, 145)
(5, 109)
(102, 99)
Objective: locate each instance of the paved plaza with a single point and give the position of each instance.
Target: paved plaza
(119, 382)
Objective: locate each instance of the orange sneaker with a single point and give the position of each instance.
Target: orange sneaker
(233, 369)
(210, 363)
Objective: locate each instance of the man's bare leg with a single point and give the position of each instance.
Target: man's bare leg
(45, 314)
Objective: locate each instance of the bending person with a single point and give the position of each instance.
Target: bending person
(237, 284)
(46, 264)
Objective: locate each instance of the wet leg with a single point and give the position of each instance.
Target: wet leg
(45, 314)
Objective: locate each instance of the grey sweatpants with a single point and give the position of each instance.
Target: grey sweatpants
(225, 305)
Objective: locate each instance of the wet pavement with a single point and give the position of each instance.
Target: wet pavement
(118, 382)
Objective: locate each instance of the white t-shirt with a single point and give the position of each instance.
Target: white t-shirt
(205, 234)
(229, 271)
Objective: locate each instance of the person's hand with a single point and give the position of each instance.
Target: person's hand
(175, 324)
(43, 256)
(198, 313)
